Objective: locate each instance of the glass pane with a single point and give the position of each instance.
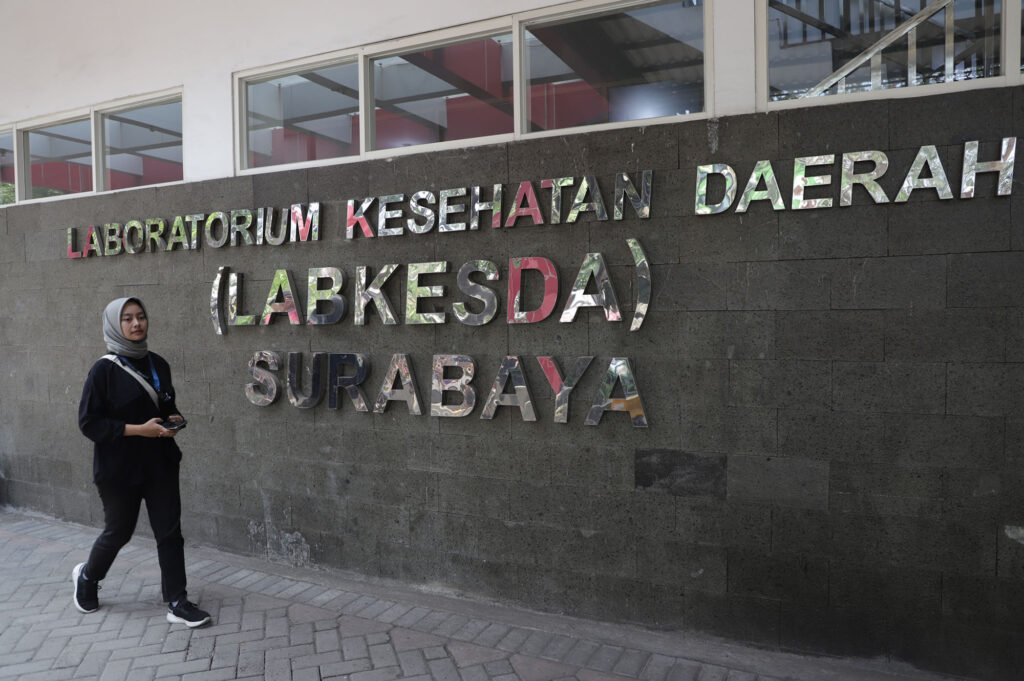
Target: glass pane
(809, 41)
(6, 168)
(303, 116)
(143, 146)
(451, 92)
(60, 158)
(640, 63)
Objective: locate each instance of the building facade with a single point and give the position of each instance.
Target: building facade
(700, 315)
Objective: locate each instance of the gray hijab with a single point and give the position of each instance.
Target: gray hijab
(116, 341)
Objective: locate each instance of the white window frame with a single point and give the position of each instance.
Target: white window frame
(12, 131)
(513, 23)
(240, 97)
(94, 114)
(127, 104)
(1010, 57)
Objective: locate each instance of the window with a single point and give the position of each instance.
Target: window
(817, 48)
(619, 66)
(451, 92)
(6, 168)
(303, 116)
(142, 145)
(60, 159)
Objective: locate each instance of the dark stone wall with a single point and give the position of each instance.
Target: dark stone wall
(835, 455)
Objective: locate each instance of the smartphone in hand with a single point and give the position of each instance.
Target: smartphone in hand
(174, 425)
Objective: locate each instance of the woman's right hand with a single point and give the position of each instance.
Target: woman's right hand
(150, 428)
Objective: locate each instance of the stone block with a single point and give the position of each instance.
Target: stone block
(990, 389)
(956, 335)
(888, 283)
(971, 226)
(684, 566)
(727, 335)
(785, 482)
(889, 386)
(691, 286)
(836, 631)
(854, 335)
(789, 578)
(985, 279)
(731, 237)
(834, 129)
(785, 384)
(680, 473)
(951, 119)
(713, 428)
(846, 232)
(783, 285)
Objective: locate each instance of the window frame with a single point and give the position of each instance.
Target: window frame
(1010, 51)
(13, 132)
(129, 104)
(22, 161)
(514, 24)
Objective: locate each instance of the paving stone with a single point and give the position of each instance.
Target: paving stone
(536, 669)
(382, 656)
(354, 648)
(468, 654)
(443, 670)
(385, 674)
(409, 639)
(345, 668)
(412, 662)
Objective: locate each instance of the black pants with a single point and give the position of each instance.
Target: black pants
(121, 513)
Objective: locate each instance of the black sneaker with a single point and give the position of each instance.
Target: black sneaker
(186, 613)
(86, 599)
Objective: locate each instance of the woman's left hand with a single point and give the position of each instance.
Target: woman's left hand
(174, 417)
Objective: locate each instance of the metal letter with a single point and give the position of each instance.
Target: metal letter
(763, 169)
(314, 371)
(426, 213)
(178, 235)
(72, 248)
(351, 384)
(515, 285)
(593, 267)
(700, 204)
(241, 223)
(596, 203)
(330, 295)
(399, 367)
(643, 284)
(112, 239)
(477, 292)
(132, 246)
(263, 377)
(867, 180)
(556, 184)
(364, 295)
(413, 292)
(930, 155)
(383, 215)
(213, 219)
(801, 181)
(215, 301)
(92, 243)
(524, 194)
(619, 370)
(562, 387)
(510, 369)
(358, 217)
(279, 237)
(305, 228)
(155, 234)
(444, 210)
(281, 285)
(193, 228)
(235, 302)
(439, 385)
(641, 201)
(1004, 166)
(477, 205)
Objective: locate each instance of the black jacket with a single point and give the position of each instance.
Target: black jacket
(110, 399)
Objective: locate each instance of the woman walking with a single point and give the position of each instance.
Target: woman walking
(128, 411)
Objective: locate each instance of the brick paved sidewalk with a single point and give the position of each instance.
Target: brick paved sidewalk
(277, 622)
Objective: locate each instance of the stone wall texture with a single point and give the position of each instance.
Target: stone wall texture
(835, 456)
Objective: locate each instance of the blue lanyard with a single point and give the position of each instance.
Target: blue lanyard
(152, 371)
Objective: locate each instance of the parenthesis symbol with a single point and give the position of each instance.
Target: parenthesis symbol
(643, 280)
(215, 291)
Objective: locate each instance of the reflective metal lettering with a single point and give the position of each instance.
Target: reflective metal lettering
(477, 292)
(439, 385)
(556, 184)
(215, 301)
(930, 155)
(510, 369)
(414, 292)
(155, 235)
(398, 368)
(193, 228)
(265, 395)
(383, 215)
(349, 383)
(357, 216)
(641, 201)
(445, 209)
(133, 245)
(762, 170)
(305, 227)
(112, 244)
(595, 204)
(235, 302)
(643, 284)
(416, 206)
(281, 287)
(314, 372)
(562, 387)
(867, 180)
(1004, 166)
(178, 236)
(365, 294)
(329, 295)
(241, 223)
(701, 206)
(593, 267)
(525, 204)
(619, 371)
(516, 315)
(801, 181)
(211, 222)
(478, 205)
